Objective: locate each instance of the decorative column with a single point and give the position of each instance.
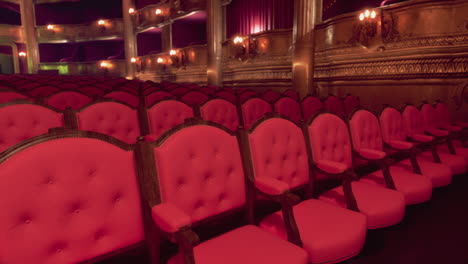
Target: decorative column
(28, 21)
(166, 37)
(129, 38)
(307, 13)
(214, 38)
(16, 62)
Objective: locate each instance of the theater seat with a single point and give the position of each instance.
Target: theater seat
(279, 157)
(210, 183)
(335, 105)
(124, 97)
(394, 136)
(254, 109)
(222, 112)
(368, 145)
(289, 108)
(167, 114)
(310, 106)
(332, 155)
(64, 99)
(193, 98)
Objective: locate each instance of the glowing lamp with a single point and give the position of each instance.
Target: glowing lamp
(160, 60)
(50, 27)
(133, 60)
(238, 40)
(373, 14)
(22, 54)
(172, 52)
(104, 64)
(158, 11)
(131, 10)
(361, 16)
(101, 22)
(367, 13)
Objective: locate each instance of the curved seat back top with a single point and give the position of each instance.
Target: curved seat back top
(112, 118)
(156, 96)
(335, 105)
(228, 95)
(167, 114)
(43, 91)
(68, 198)
(63, 99)
(8, 95)
(271, 95)
(351, 102)
(222, 112)
(290, 108)
(92, 91)
(311, 105)
(125, 97)
(254, 109)
(193, 98)
(291, 93)
(23, 120)
(413, 121)
(246, 94)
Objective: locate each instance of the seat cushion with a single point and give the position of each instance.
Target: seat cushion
(329, 233)
(416, 188)
(457, 164)
(439, 174)
(383, 207)
(248, 245)
(459, 150)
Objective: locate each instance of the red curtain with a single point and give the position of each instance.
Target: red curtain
(252, 16)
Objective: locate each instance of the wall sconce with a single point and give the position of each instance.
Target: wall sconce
(239, 48)
(51, 27)
(366, 29)
(133, 60)
(101, 22)
(105, 65)
(22, 54)
(131, 11)
(158, 11)
(160, 61)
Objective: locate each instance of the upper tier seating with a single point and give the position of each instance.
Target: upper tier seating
(211, 183)
(125, 97)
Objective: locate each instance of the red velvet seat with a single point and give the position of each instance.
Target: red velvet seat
(76, 200)
(111, 118)
(222, 112)
(311, 105)
(157, 96)
(368, 144)
(63, 99)
(210, 183)
(331, 150)
(290, 108)
(43, 91)
(254, 109)
(394, 136)
(414, 125)
(334, 105)
(291, 93)
(351, 102)
(93, 91)
(207, 90)
(246, 94)
(68, 86)
(125, 97)
(444, 117)
(10, 95)
(179, 91)
(280, 163)
(23, 120)
(271, 96)
(230, 96)
(193, 98)
(167, 114)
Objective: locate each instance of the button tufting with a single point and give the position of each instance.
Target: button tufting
(207, 175)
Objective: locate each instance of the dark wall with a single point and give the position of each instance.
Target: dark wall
(148, 42)
(5, 50)
(9, 17)
(83, 51)
(78, 12)
(6, 64)
(142, 3)
(187, 32)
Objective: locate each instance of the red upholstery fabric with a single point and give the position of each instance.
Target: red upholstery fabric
(430, 117)
(371, 154)
(332, 167)
(383, 207)
(334, 105)
(76, 199)
(72, 99)
(169, 218)
(310, 106)
(207, 90)
(227, 95)
(271, 186)
(19, 122)
(125, 97)
(92, 91)
(416, 188)
(167, 114)
(330, 140)
(43, 91)
(10, 96)
(351, 102)
(157, 96)
(278, 151)
(291, 93)
(365, 131)
(329, 233)
(438, 132)
(110, 118)
(222, 112)
(246, 95)
(289, 108)
(421, 138)
(439, 174)
(68, 86)
(247, 245)
(413, 121)
(212, 178)
(271, 96)
(457, 164)
(459, 150)
(194, 98)
(180, 91)
(401, 145)
(254, 109)
(392, 126)
(443, 114)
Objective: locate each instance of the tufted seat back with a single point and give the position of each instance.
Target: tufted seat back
(334, 105)
(365, 131)
(8, 96)
(392, 125)
(179, 91)
(22, 121)
(68, 86)
(212, 178)
(413, 121)
(125, 97)
(290, 108)
(271, 96)
(329, 139)
(254, 109)
(222, 112)
(351, 102)
(279, 151)
(245, 95)
(193, 98)
(92, 91)
(75, 100)
(43, 91)
(231, 97)
(76, 199)
(167, 114)
(291, 93)
(208, 90)
(157, 96)
(110, 118)
(443, 114)
(430, 117)
(310, 106)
